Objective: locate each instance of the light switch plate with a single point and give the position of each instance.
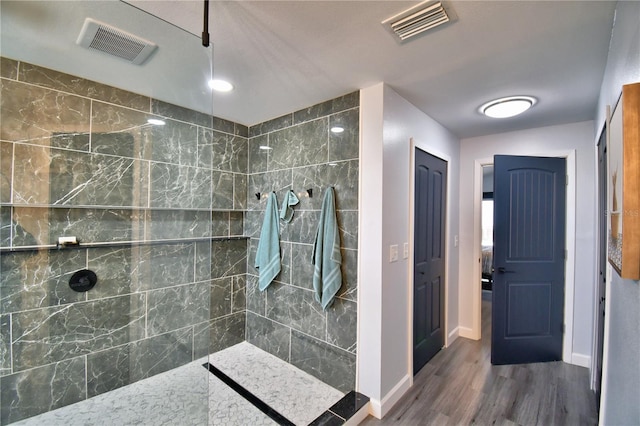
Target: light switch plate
(393, 253)
(405, 253)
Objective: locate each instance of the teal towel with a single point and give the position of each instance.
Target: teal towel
(268, 254)
(286, 212)
(327, 276)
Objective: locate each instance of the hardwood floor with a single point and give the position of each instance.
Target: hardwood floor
(459, 386)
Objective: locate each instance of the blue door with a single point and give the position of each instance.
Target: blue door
(429, 266)
(529, 257)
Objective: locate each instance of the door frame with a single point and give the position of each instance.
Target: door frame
(570, 238)
(413, 144)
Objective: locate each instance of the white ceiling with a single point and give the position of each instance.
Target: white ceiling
(286, 55)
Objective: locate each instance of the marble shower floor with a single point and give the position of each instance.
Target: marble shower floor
(176, 397)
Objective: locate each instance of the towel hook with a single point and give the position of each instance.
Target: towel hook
(310, 192)
(257, 194)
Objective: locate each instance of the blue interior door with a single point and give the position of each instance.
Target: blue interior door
(529, 257)
(429, 266)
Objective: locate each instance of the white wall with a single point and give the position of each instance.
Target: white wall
(620, 402)
(550, 141)
(388, 318)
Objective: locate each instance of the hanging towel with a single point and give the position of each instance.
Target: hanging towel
(327, 276)
(286, 212)
(268, 254)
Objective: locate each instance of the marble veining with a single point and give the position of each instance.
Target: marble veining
(6, 171)
(268, 335)
(226, 331)
(301, 145)
(177, 307)
(297, 308)
(293, 393)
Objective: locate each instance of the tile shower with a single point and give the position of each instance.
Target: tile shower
(171, 223)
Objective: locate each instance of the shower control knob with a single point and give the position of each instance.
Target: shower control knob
(83, 280)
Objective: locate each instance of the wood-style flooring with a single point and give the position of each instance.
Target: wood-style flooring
(459, 386)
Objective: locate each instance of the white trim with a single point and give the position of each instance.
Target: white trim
(570, 238)
(581, 360)
(379, 409)
(467, 333)
(453, 335)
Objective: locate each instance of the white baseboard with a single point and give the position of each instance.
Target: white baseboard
(467, 333)
(581, 360)
(379, 409)
(453, 336)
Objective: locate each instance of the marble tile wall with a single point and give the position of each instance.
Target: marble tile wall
(78, 158)
(285, 319)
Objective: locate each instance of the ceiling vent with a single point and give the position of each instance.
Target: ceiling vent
(418, 19)
(105, 38)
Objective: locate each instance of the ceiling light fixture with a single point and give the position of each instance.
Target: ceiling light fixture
(220, 85)
(507, 107)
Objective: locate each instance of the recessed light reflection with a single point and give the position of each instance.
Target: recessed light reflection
(220, 85)
(264, 147)
(337, 129)
(156, 121)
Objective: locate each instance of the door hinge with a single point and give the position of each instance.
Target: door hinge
(566, 180)
(563, 328)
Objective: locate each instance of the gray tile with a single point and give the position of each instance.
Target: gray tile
(180, 187)
(302, 228)
(221, 297)
(296, 308)
(88, 225)
(240, 154)
(228, 258)
(172, 308)
(219, 224)
(332, 106)
(256, 299)
(8, 68)
(118, 131)
(328, 363)
(113, 267)
(5, 345)
(345, 145)
(239, 293)
(79, 86)
(164, 266)
(50, 335)
(201, 339)
(342, 324)
(120, 366)
(52, 176)
(253, 223)
(241, 130)
(268, 335)
(33, 114)
(239, 191)
(236, 223)
(302, 145)
(343, 176)
(205, 147)
(271, 125)
(42, 389)
(179, 113)
(302, 269)
(348, 225)
(203, 261)
(5, 226)
(173, 224)
(39, 279)
(349, 289)
(258, 158)
(6, 171)
(227, 331)
(222, 188)
(223, 125)
(175, 142)
(285, 263)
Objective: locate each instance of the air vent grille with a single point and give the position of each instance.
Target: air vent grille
(417, 20)
(113, 41)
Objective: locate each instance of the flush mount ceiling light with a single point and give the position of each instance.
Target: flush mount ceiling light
(220, 85)
(507, 107)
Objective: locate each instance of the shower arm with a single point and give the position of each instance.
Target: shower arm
(205, 31)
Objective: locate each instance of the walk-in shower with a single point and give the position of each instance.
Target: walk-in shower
(128, 229)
